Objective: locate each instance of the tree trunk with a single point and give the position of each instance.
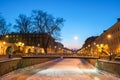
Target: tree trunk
(45, 49)
(47, 44)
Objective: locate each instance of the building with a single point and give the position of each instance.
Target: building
(109, 41)
(87, 46)
(89, 41)
(67, 51)
(30, 41)
(58, 47)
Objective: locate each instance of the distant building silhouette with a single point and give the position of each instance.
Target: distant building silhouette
(89, 41)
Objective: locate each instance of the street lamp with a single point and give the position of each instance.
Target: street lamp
(98, 46)
(3, 46)
(6, 36)
(89, 50)
(4, 42)
(109, 37)
(94, 48)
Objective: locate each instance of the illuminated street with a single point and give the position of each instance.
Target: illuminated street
(60, 69)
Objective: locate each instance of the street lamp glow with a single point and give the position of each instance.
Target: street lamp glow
(19, 43)
(88, 45)
(101, 45)
(109, 36)
(4, 42)
(94, 43)
(22, 44)
(97, 45)
(6, 36)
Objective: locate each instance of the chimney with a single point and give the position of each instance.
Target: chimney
(118, 19)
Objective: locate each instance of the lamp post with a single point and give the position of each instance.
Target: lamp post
(109, 37)
(55, 49)
(20, 47)
(97, 46)
(3, 46)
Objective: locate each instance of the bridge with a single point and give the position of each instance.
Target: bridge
(61, 56)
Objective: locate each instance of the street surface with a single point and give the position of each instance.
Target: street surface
(60, 69)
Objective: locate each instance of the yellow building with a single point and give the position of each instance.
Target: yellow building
(27, 41)
(3, 47)
(87, 48)
(109, 40)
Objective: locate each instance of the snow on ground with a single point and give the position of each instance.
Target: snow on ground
(66, 69)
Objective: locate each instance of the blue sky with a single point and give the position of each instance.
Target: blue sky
(84, 18)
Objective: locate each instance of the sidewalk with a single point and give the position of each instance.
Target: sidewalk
(5, 58)
(110, 61)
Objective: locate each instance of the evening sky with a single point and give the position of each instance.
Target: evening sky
(83, 18)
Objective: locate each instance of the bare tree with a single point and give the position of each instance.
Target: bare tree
(3, 26)
(56, 28)
(23, 24)
(47, 24)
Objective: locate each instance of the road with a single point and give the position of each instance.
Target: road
(60, 69)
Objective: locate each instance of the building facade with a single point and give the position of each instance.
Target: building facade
(58, 48)
(104, 45)
(109, 41)
(87, 46)
(30, 41)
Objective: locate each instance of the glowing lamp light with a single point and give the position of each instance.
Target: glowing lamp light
(6, 36)
(94, 43)
(4, 42)
(109, 36)
(33, 47)
(22, 44)
(88, 45)
(19, 43)
(101, 45)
